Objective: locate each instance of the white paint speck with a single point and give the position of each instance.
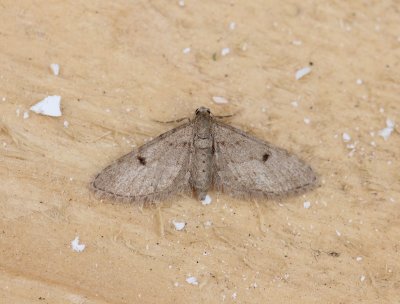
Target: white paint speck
(359, 259)
(181, 3)
(26, 115)
(346, 137)
(381, 110)
(66, 124)
(192, 280)
(49, 106)
(225, 51)
(176, 284)
(302, 72)
(234, 295)
(306, 204)
(385, 133)
(220, 100)
(297, 42)
(338, 233)
(179, 225)
(295, 103)
(362, 278)
(206, 201)
(232, 26)
(55, 68)
(359, 81)
(307, 120)
(207, 224)
(76, 246)
(186, 50)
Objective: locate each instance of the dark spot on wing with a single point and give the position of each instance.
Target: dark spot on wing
(142, 160)
(265, 157)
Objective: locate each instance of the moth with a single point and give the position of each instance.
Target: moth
(201, 155)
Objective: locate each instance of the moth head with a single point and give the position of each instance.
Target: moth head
(203, 110)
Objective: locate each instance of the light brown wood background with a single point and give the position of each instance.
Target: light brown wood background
(122, 68)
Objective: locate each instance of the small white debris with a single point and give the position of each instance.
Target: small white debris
(108, 110)
(76, 246)
(346, 137)
(179, 225)
(362, 278)
(186, 50)
(232, 26)
(381, 110)
(302, 72)
(307, 120)
(338, 233)
(55, 68)
(26, 115)
(176, 284)
(297, 42)
(359, 81)
(192, 280)
(181, 3)
(220, 100)
(372, 143)
(307, 204)
(385, 133)
(225, 51)
(66, 124)
(207, 200)
(234, 295)
(295, 103)
(207, 224)
(49, 106)
(359, 259)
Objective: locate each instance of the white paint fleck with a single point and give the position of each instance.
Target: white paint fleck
(192, 280)
(225, 51)
(385, 133)
(297, 42)
(306, 204)
(359, 259)
(186, 50)
(381, 110)
(346, 137)
(207, 224)
(181, 3)
(220, 100)
(302, 72)
(49, 106)
(66, 124)
(362, 278)
(232, 26)
(359, 81)
(179, 225)
(55, 68)
(295, 103)
(234, 295)
(207, 200)
(76, 246)
(338, 233)
(307, 120)
(26, 115)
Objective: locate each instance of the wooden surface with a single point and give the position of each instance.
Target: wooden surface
(122, 68)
